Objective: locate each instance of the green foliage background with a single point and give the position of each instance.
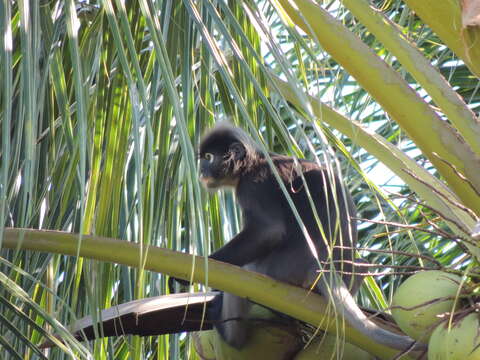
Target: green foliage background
(103, 103)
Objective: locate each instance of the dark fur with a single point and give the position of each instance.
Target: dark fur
(272, 241)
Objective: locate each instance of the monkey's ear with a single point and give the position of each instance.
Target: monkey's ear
(237, 150)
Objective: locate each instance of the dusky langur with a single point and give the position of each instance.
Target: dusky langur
(272, 241)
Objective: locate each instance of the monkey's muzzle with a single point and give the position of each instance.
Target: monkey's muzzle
(208, 182)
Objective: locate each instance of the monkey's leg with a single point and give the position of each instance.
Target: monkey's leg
(232, 323)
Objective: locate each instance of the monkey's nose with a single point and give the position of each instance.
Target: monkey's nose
(204, 174)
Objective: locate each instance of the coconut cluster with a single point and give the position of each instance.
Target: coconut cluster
(425, 307)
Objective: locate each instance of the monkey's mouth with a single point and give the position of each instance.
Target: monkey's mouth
(209, 182)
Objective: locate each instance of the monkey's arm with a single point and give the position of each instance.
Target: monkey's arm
(260, 234)
(253, 242)
(264, 225)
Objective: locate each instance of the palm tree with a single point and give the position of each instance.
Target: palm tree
(103, 103)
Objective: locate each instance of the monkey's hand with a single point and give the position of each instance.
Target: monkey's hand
(171, 283)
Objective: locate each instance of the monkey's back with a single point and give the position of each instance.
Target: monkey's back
(324, 207)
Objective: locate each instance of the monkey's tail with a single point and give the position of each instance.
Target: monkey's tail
(347, 306)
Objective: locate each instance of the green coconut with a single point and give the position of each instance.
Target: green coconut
(265, 342)
(420, 300)
(459, 342)
(204, 344)
(330, 347)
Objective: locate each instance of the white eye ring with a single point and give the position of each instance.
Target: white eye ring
(209, 157)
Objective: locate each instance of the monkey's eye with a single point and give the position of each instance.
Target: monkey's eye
(209, 157)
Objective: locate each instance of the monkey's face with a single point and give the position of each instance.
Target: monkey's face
(218, 164)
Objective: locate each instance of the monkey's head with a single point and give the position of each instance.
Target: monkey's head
(225, 153)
